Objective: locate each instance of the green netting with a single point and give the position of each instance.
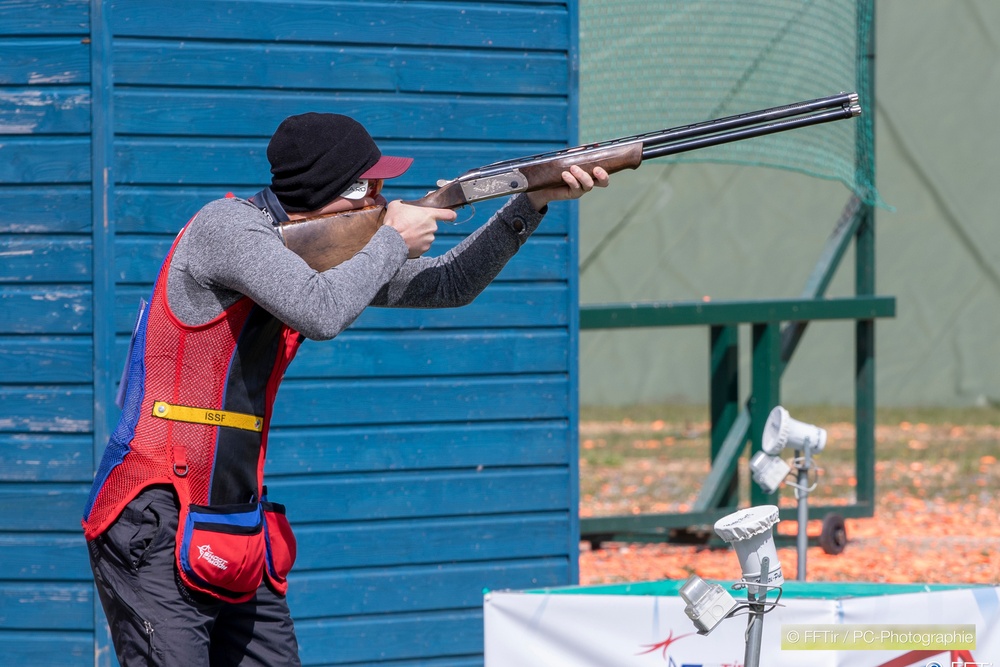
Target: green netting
(651, 64)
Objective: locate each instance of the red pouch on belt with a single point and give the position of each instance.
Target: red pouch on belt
(280, 551)
(221, 549)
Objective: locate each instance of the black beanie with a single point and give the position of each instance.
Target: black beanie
(315, 156)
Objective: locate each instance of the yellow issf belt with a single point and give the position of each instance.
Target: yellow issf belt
(183, 413)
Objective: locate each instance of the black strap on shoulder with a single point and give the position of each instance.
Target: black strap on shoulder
(269, 205)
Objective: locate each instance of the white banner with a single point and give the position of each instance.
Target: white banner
(969, 606)
(598, 630)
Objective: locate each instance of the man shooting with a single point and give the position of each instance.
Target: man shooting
(189, 556)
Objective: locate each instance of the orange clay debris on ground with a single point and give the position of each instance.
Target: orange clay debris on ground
(937, 517)
(907, 541)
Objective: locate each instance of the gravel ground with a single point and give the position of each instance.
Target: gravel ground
(937, 517)
(909, 540)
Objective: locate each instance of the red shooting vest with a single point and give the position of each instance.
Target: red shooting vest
(196, 416)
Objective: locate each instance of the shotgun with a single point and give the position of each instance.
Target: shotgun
(325, 241)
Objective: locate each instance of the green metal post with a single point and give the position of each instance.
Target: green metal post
(766, 383)
(865, 270)
(724, 401)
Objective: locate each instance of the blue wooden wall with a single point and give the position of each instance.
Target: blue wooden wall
(424, 455)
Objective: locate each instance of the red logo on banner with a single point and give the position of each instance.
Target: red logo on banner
(665, 644)
(955, 659)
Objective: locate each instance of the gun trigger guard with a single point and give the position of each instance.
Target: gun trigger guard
(460, 221)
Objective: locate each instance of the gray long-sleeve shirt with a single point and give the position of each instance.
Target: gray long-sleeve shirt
(230, 249)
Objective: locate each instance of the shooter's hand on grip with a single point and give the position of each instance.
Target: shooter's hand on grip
(416, 224)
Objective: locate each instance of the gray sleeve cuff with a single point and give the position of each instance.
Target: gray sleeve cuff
(521, 217)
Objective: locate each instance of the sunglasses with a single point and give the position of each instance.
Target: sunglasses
(363, 187)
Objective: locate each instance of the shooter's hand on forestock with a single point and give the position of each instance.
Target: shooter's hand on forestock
(576, 183)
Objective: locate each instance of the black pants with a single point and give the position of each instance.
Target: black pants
(156, 620)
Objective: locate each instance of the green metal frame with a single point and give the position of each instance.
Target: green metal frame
(777, 326)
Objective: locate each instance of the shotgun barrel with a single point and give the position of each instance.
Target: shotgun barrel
(842, 105)
(543, 170)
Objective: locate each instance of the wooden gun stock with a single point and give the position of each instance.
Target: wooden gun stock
(327, 240)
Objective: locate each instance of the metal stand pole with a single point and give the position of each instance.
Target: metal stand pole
(802, 494)
(755, 618)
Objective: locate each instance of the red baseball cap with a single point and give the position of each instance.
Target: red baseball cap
(388, 166)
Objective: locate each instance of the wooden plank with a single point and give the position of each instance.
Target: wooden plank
(324, 498)
(27, 258)
(368, 448)
(45, 556)
(418, 588)
(449, 540)
(45, 17)
(51, 310)
(46, 606)
(66, 649)
(543, 259)
(46, 409)
(437, 353)
(45, 160)
(406, 401)
(39, 209)
(37, 457)
(357, 68)
(165, 210)
(42, 506)
(138, 259)
(44, 60)
(400, 354)
(464, 24)
(49, 556)
(45, 359)
(502, 305)
(44, 110)
(384, 638)
(188, 161)
(209, 162)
